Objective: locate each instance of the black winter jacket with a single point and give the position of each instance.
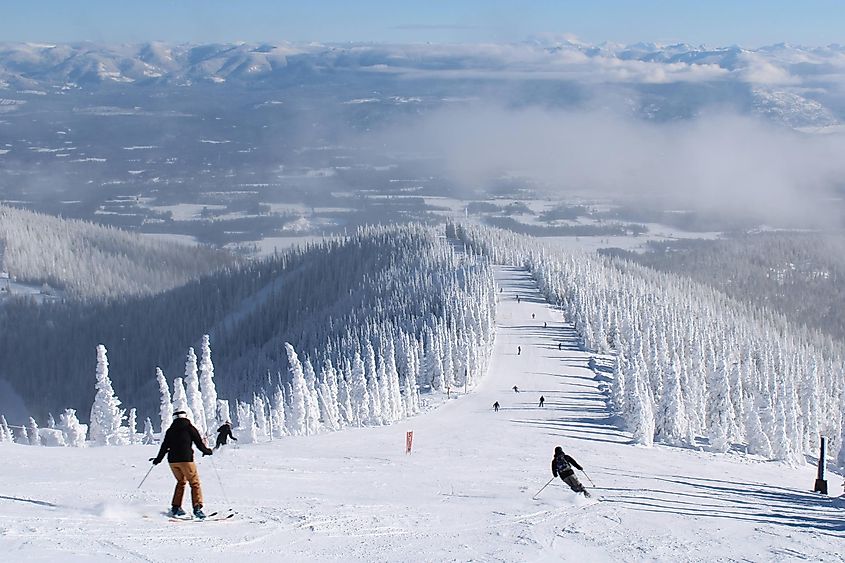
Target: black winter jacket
(177, 442)
(562, 465)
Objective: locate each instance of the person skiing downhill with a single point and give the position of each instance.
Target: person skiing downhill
(223, 434)
(180, 455)
(562, 465)
(496, 406)
(542, 400)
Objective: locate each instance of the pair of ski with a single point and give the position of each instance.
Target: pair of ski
(213, 517)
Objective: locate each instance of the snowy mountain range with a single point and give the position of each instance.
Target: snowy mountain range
(796, 85)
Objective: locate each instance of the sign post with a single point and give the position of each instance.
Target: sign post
(409, 441)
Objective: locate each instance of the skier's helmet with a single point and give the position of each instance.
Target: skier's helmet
(558, 451)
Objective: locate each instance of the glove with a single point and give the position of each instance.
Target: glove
(155, 461)
(235, 439)
(209, 452)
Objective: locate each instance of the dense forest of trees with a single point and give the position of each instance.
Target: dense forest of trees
(798, 274)
(401, 301)
(691, 363)
(92, 262)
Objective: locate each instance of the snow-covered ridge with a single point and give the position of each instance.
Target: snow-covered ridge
(88, 63)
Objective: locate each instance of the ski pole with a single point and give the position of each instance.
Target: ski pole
(220, 481)
(150, 470)
(588, 478)
(544, 486)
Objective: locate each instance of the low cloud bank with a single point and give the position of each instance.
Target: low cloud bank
(718, 162)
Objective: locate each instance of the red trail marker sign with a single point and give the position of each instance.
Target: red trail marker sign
(409, 441)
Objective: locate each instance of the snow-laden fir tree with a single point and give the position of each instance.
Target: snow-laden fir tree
(278, 414)
(247, 430)
(758, 441)
(207, 386)
(312, 408)
(193, 395)
(670, 418)
(32, 433)
(373, 391)
(259, 410)
(358, 393)
(51, 422)
(720, 413)
(74, 431)
(640, 414)
(165, 409)
(297, 415)
(132, 426)
(5, 431)
(149, 437)
(180, 399)
(106, 414)
(223, 411)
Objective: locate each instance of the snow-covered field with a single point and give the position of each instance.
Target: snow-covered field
(464, 494)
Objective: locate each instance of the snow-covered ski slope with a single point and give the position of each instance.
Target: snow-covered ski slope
(464, 494)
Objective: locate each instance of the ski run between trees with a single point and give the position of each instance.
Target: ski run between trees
(464, 493)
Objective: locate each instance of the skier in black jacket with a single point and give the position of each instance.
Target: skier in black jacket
(180, 455)
(562, 465)
(224, 433)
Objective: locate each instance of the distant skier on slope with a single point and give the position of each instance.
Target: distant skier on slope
(562, 465)
(496, 406)
(180, 455)
(542, 400)
(515, 389)
(518, 350)
(223, 434)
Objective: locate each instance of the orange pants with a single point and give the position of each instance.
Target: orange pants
(186, 472)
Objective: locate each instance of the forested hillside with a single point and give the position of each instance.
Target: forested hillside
(692, 365)
(91, 262)
(798, 274)
(404, 291)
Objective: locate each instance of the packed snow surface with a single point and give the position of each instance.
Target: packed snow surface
(463, 494)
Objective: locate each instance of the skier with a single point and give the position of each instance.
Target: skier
(223, 434)
(496, 406)
(515, 389)
(542, 400)
(180, 455)
(517, 298)
(559, 346)
(518, 350)
(545, 325)
(532, 316)
(562, 466)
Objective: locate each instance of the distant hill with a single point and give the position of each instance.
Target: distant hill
(88, 261)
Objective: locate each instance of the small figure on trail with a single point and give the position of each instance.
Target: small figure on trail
(559, 345)
(545, 325)
(518, 350)
(562, 466)
(223, 434)
(542, 400)
(515, 389)
(496, 406)
(180, 455)
(517, 298)
(532, 315)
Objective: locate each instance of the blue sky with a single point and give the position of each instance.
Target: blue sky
(715, 22)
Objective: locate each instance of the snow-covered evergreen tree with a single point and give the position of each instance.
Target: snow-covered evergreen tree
(278, 415)
(297, 419)
(106, 414)
(180, 399)
(74, 431)
(671, 425)
(5, 431)
(193, 395)
(358, 393)
(166, 408)
(149, 436)
(32, 433)
(207, 386)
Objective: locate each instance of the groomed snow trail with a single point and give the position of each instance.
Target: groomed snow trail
(464, 494)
